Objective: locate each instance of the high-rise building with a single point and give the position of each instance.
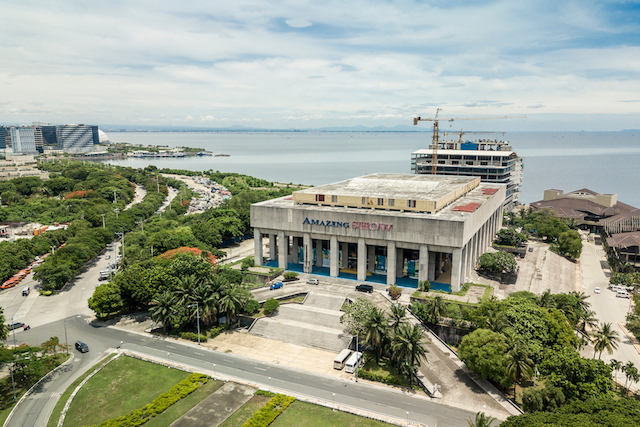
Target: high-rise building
(5, 138)
(25, 139)
(75, 138)
(493, 161)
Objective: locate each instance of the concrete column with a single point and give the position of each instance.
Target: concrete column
(318, 253)
(362, 260)
(371, 255)
(257, 250)
(463, 265)
(273, 251)
(333, 253)
(431, 275)
(399, 261)
(391, 263)
(456, 266)
(344, 248)
(294, 251)
(424, 263)
(308, 253)
(283, 249)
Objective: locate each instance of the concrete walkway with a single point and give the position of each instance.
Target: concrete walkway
(217, 407)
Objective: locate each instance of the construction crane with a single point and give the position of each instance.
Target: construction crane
(436, 131)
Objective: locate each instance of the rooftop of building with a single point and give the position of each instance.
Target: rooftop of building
(463, 195)
(624, 240)
(442, 151)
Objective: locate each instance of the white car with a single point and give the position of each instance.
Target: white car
(596, 290)
(107, 257)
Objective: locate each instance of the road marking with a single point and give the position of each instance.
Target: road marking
(261, 369)
(295, 377)
(198, 353)
(56, 394)
(410, 404)
(170, 346)
(368, 394)
(228, 361)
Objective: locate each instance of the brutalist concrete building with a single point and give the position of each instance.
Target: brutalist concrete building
(385, 228)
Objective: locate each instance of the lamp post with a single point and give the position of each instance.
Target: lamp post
(102, 215)
(115, 198)
(407, 418)
(141, 223)
(116, 210)
(198, 319)
(358, 362)
(214, 370)
(269, 384)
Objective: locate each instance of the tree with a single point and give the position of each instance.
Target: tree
(570, 244)
(232, 300)
(397, 316)
(106, 300)
(4, 329)
(605, 338)
(549, 398)
(375, 329)
(630, 372)
(481, 420)
(270, 306)
(355, 315)
(424, 286)
(520, 365)
(163, 310)
(498, 262)
(509, 237)
(408, 347)
(616, 365)
(485, 352)
(436, 308)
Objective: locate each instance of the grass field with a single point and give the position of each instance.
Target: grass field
(122, 386)
(246, 411)
(308, 415)
(181, 407)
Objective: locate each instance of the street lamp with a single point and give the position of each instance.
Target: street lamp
(407, 418)
(358, 361)
(102, 215)
(214, 370)
(198, 318)
(141, 223)
(116, 210)
(269, 384)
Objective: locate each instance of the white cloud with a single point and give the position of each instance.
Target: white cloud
(270, 63)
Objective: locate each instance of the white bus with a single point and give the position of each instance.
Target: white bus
(341, 359)
(354, 361)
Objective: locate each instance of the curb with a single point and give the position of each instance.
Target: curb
(24, 396)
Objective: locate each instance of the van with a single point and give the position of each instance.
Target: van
(364, 288)
(25, 291)
(623, 294)
(353, 362)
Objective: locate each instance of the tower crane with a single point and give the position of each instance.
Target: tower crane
(436, 131)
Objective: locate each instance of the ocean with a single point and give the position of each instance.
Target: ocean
(605, 162)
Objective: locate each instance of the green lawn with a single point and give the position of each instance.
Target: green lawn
(181, 407)
(246, 411)
(57, 410)
(122, 386)
(308, 415)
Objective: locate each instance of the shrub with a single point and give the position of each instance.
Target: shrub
(216, 331)
(193, 336)
(395, 292)
(424, 286)
(247, 263)
(290, 275)
(387, 379)
(270, 306)
(269, 412)
(251, 306)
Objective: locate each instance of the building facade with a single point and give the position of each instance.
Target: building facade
(75, 138)
(491, 160)
(386, 228)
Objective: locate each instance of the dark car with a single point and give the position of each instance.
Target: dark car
(15, 325)
(82, 347)
(364, 288)
(276, 285)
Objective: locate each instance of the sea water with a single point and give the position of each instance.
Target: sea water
(605, 162)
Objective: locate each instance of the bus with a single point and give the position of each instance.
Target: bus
(11, 282)
(354, 361)
(341, 359)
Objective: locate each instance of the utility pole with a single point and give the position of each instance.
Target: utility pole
(115, 198)
(116, 210)
(102, 215)
(141, 223)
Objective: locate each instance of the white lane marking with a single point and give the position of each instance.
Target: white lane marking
(261, 369)
(170, 346)
(228, 361)
(198, 353)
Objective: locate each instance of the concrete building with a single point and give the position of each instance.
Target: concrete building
(492, 160)
(21, 139)
(18, 166)
(387, 228)
(76, 138)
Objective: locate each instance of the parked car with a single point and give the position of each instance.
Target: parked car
(276, 285)
(530, 249)
(101, 278)
(623, 294)
(107, 257)
(312, 282)
(82, 347)
(364, 288)
(596, 290)
(15, 325)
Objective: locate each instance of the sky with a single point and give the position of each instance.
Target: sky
(565, 65)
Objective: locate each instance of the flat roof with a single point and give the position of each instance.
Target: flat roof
(465, 152)
(394, 186)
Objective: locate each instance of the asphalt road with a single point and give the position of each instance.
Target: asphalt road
(37, 408)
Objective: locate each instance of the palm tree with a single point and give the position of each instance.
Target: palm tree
(163, 309)
(586, 319)
(207, 300)
(186, 288)
(520, 365)
(375, 329)
(605, 339)
(582, 300)
(436, 308)
(408, 347)
(232, 299)
(616, 365)
(631, 372)
(496, 320)
(546, 300)
(397, 317)
(481, 420)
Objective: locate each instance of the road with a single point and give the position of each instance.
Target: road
(607, 306)
(36, 409)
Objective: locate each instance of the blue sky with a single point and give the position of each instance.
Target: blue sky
(566, 65)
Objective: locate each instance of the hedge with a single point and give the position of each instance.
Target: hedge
(269, 412)
(159, 404)
(193, 336)
(387, 379)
